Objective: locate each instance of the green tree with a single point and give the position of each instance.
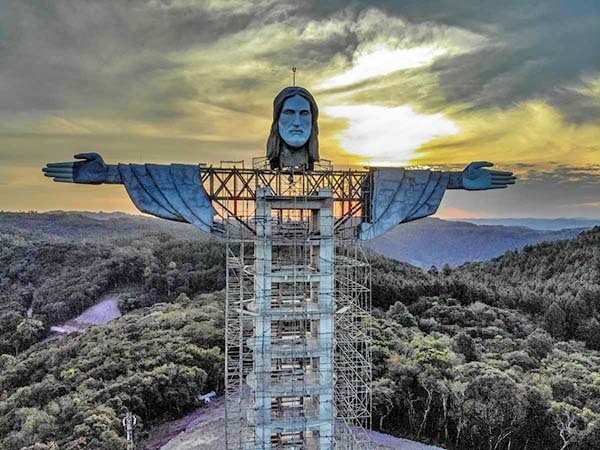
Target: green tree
(464, 344)
(383, 399)
(495, 407)
(28, 332)
(399, 313)
(555, 321)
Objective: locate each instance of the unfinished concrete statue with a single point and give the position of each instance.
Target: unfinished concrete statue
(176, 191)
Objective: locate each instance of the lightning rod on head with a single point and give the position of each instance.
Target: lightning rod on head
(293, 76)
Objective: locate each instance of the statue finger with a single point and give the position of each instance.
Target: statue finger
(500, 172)
(58, 171)
(60, 176)
(64, 180)
(499, 187)
(503, 177)
(504, 181)
(503, 174)
(60, 165)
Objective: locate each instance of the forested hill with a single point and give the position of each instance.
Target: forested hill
(500, 355)
(85, 225)
(559, 281)
(554, 284)
(434, 242)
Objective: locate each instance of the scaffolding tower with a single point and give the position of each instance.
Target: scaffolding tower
(298, 356)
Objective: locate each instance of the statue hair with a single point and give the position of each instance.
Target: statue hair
(275, 142)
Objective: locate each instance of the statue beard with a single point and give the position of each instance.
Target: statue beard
(277, 147)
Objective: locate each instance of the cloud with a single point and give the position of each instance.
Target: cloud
(529, 133)
(383, 61)
(70, 54)
(384, 135)
(437, 83)
(593, 204)
(387, 44)
(562, 174)
(534, 54)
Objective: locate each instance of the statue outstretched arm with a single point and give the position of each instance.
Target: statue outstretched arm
(173, 192)
(475, 178)
(400, 195)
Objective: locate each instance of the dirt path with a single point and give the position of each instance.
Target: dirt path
(392, 442)
(104, 311)
(169, 433)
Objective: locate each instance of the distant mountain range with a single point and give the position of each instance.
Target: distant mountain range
(537, 224)
(77, 225)
(435, 242)
(423, 243)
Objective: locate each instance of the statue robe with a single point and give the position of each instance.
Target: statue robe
(400, 195)
(175, 192)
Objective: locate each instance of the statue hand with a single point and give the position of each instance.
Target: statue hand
(476, 178)
(92, 170)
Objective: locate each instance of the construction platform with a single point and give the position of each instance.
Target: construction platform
(298, 356)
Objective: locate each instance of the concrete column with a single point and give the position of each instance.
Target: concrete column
(262, 348)
(320, 285)
(326, 322)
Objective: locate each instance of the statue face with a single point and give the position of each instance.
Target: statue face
(295, 121)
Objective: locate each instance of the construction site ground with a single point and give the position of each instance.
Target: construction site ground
(204, 429)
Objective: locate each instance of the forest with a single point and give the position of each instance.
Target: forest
(500, 355)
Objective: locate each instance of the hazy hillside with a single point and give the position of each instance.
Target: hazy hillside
(86, 225)
(501, 354)
(423, 243)
(538, 224)
(434, 242)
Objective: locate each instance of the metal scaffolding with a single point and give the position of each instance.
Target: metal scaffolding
(233, 190)
(298, 357)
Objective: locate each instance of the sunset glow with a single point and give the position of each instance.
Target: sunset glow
(398, 83)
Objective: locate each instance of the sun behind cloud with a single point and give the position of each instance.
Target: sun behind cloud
(383, 135)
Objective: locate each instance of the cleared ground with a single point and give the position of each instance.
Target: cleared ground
(204, 429)
(104, 311)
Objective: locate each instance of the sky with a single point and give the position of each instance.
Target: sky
(399, 83)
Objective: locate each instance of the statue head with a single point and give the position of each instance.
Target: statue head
(295, 126)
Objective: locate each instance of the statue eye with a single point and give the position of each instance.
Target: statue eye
(304, 113)
(288, 112)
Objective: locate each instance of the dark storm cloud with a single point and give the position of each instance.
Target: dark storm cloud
(63, 54)
(582, 175)
(540, 47)
(113, 55)
(537, 48)
(578, 106)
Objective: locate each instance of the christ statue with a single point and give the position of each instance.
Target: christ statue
(176, 191)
